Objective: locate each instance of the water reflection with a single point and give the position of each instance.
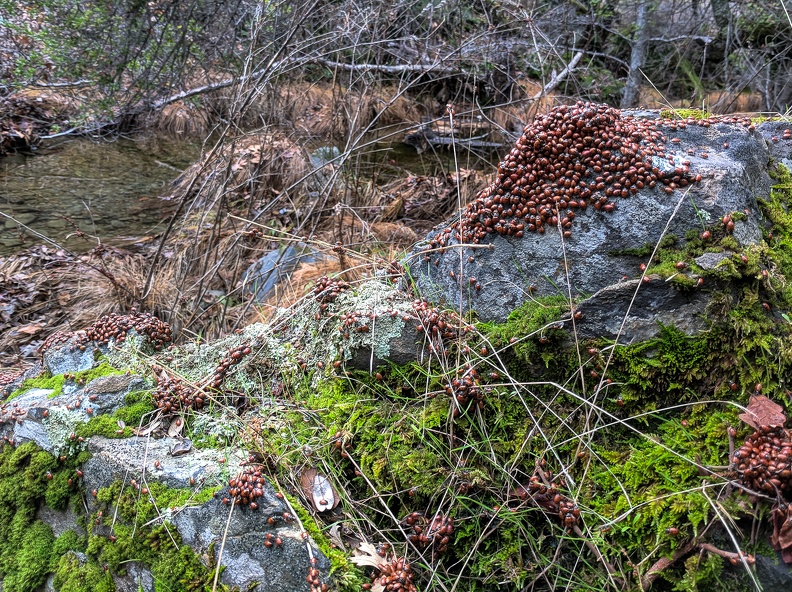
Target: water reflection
(83, 188)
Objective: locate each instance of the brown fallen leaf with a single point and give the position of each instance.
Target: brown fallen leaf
(366, 556)
(30, 329)
(176, 427)
(762, 412)
(318, 489)
(781, 539)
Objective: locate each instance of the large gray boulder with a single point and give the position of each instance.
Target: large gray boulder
(726, 168)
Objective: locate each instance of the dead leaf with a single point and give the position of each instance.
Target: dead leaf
(318, 489)
(781, 539)
(335, 536)
(176, 427)
(30, 329)
(121, 424)
(366, 556)
(148, 430)
(762, 412)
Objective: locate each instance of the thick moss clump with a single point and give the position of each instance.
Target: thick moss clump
(137, 405)
(55, 383)
(30, 478)
(72, 575)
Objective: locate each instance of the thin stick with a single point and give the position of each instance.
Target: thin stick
(222, 545)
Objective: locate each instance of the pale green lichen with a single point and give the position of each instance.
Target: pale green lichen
(60, 423)
(197, 362)
(317, 333)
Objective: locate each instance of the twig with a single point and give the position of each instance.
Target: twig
(222, 545)
(558, 78)
(597, 553)
(733, 557)
(424, 67)
(664, 563)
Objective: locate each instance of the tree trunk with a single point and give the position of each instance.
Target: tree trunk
(638, 55)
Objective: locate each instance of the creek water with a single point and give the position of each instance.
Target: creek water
(81, 191)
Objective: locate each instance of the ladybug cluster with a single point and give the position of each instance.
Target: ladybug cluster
(173, 396)
(11, 411)
(116, 326)
(355, 321)
(327, 290)
(55, 339)
(550, 500)
(572, 158)
(272, 539)
(7, 378)
(466, 388)
(394, 576)
(234, 356)
(315, 580)
(764, 461)
(247, 487)
(434, 323)
(435, 533)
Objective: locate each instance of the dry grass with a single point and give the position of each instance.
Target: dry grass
(252, 166)
(183, 120)
(62, 103)
(331, 112)
(53, 291)
(720, 102)
(423, 201)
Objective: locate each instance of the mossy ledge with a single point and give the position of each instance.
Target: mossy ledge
(634, 438)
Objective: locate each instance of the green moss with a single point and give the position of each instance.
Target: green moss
(531, 333)
(684, 114)
(137, 405)
(55, 383)
(32, 560)
(102, 425)
(175, 567)
(103, 369)
(29, 478)
(68, 541)
(73, 576)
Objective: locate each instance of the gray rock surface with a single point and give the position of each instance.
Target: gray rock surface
(34, 416)
(773, 573)
(709, 261)
(780, 147)
(137, 579)
(247, 561)
(134, 458)
(606, 313)
(60, 521)
(68, 358)
(593, 257)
